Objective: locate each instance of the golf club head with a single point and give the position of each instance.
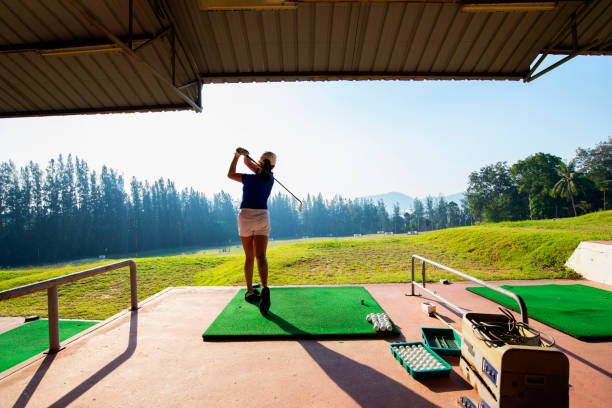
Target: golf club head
(243, 151)
(301, 207)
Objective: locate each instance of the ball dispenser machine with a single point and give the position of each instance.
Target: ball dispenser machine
(509, 363)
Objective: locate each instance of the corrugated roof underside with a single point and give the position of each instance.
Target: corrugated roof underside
(34, 84)
(315, 41)
(394, 40)
(593, 29)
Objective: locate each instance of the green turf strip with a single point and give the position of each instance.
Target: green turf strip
(299, 312)
(28, 340)
(578, 310)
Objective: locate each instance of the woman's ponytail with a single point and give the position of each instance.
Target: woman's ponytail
(266, 172)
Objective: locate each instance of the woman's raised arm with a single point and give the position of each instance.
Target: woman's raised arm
(254, 168)
(232, 170)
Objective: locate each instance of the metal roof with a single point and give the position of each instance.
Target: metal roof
(75, 56)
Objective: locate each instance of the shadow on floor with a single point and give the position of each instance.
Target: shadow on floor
(28, 391)
(365, 385)
(582, 360)
(454, 382)
(283, 324)
(106, 370)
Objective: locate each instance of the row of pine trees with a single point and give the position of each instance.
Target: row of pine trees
(67, 212)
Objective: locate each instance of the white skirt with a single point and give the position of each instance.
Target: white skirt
(253, 222)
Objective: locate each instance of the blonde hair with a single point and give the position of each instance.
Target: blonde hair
(270, 156)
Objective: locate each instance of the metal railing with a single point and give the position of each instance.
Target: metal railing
(424, 261)
(52, 301)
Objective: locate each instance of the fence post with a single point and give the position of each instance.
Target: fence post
(412, 276)
(423, 271)
(53, 312)
(133, 285)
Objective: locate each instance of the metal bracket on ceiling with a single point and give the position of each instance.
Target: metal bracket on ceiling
(572, 26)
(574, 32)
(531, 76)
(164, 31)
(130, 52)
(570, 54)
(177, 36)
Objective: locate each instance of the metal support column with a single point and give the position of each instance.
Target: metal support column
(131, 25)
(423, 272)
(133, 286)
(53, 311)
(173, 44)
(412, 277)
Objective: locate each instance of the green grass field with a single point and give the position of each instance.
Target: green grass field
(519, 250)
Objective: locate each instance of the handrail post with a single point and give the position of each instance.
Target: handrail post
(133, 285)
(412, 276)
(518, 298)
(53, 312)
(423, 271)
(52, 298)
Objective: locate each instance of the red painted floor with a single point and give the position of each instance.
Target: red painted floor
(156, 357)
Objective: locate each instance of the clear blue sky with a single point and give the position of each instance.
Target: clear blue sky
(352, 138)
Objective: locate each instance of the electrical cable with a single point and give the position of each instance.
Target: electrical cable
(497, 334)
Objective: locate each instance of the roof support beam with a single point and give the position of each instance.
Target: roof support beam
(131, 24)
(124, 47)
(570, 28)
(351, 76)
(157, 36)
(118, 109)
(567, 51)
(530, 76)
(76, 46)
(177, 35)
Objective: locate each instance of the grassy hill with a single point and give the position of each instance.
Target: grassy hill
(518, 250)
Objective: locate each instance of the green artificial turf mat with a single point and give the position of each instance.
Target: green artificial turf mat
(29, 339)
(578, 310)
(298, 313)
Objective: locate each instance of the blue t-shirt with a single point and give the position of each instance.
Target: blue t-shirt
(255, 191)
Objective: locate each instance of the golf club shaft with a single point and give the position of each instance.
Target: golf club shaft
(275, 179)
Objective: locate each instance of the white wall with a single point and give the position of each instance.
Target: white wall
(593, 260)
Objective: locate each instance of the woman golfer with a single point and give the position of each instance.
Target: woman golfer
(254, 221)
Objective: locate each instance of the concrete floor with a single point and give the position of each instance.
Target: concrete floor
(156, 357)
(9, 323)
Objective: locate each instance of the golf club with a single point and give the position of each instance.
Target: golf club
(275, 179)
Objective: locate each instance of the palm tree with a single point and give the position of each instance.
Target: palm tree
(604, 186)
(567, 186)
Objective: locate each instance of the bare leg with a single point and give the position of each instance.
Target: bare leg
(249, 252)
(261, 244)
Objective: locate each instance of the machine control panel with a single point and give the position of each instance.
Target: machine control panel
(483, 405)
(465, 402)
(489, 371)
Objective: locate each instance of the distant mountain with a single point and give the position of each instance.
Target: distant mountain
(405, 201)
(455, 197)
